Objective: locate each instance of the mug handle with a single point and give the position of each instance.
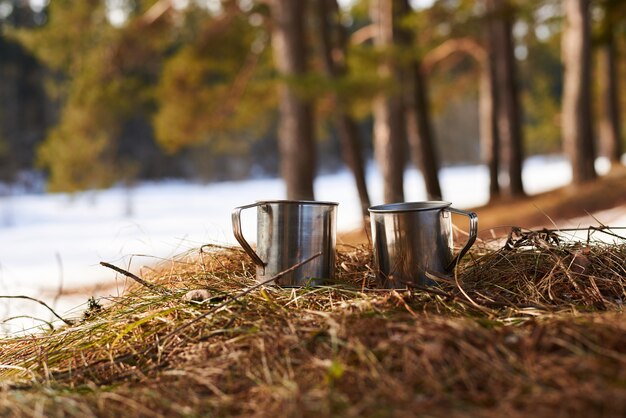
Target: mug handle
(236, 216)
(473, 231)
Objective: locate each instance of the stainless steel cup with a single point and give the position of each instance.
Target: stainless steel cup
(289, 232)
(413, 238)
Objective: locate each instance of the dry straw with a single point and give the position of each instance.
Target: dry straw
(532, 325)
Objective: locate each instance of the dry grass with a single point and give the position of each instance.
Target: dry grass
(532, 327)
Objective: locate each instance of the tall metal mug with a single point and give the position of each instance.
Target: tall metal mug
(290, 232)
(415, 238)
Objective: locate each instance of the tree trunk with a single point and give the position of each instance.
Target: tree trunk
(417, 115)
(335, 67)
(610, 126)
(295, 130)
(488, 110)
(352, 153)
(487, 95)
(576, 112)
(508, 120)
(388, 109)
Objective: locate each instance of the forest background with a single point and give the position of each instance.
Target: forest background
(96, 93)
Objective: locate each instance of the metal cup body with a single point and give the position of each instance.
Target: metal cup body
(409, 240)
(289, 232)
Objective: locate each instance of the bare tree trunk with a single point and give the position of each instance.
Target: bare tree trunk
(488, 108)
(333, 49)
(295, 130)
(388, 151)
(351, 150)
(509, 123)
(610, 126)
(420, 131)
(417, 114)
(388, 108)
(576, 112)
(490, 143)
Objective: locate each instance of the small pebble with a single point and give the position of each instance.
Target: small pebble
(198, 295)
(511, 339)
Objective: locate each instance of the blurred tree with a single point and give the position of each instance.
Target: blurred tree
(295, 130)
(490, 135)
(576, 119)
(215, 88)
(389, 133)
(105, 76)
(473, 38)
(417, 108)
(181, 77)
(333, 42)
(541, 72)
(25, 111)
(509, 112)
(76, 150)
(609, 116)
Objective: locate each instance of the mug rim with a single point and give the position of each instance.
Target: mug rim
(298, 202)
(409, 206)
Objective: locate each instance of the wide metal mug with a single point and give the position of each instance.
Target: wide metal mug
(414, 239)
(290, 232)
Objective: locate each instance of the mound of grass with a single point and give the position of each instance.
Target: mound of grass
(532, 326)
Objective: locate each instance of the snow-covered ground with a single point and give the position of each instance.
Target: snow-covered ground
(53, 240)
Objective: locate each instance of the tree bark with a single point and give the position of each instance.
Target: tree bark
(508, 116)
(295, 130)
(388, 108)
(487, 95)
(490, 142)
(488, 110)
(417, 115)
(333, 40)
(610, 124)
(576, 112)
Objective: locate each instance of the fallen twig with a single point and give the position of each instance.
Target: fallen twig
(44, 304)
(154, 288)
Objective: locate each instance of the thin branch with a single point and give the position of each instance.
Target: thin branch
(451, 46)
(363, 35)
(44, 304)
(7, 320)
(157, 10)
(156, 289)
